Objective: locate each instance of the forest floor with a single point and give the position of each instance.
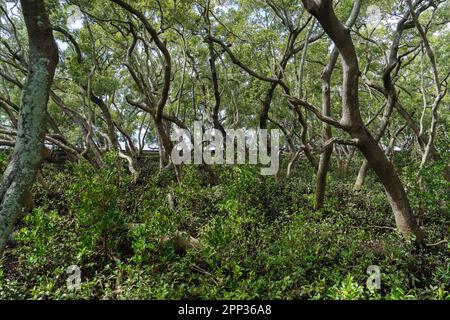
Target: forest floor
(245, 237)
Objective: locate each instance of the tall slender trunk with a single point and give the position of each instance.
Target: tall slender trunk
(361, 177)
(325, 157)
(22, 169)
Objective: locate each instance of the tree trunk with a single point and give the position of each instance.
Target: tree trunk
(351, 120)
(325, 157)
(396, 195)
(21, 171)
(361, 175)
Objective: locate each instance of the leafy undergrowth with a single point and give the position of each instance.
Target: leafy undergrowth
(259, 238)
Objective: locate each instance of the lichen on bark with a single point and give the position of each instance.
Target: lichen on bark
(28, 151)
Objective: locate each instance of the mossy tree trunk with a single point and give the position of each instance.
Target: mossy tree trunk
(28, 151)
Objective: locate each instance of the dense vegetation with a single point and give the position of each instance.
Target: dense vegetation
(260, 239)
(139, 226)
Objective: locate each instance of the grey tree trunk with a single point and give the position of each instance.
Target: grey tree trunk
(325, 157)
(362, 173)
(352, 123)
(27, 156)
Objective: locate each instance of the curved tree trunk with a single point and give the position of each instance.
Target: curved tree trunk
(325, 157)
(352, 123)
(21, 171)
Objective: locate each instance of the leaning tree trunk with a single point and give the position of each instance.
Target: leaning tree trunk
(362, 173)
(27, 156)
(351, 120)
(396, 195)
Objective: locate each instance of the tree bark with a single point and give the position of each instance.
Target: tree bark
(325, 157)
(22, 169)
(352, 123)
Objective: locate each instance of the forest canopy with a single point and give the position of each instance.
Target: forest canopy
(224, 149)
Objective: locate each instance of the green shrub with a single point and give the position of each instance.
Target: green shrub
(260, 239)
